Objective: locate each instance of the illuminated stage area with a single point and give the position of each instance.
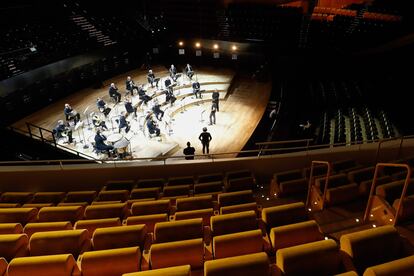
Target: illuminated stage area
(241, 106)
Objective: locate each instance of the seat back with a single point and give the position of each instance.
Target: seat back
(284, 214)
(234, 198)
(208, 187)
(236, 244)
(35, 227)
(92, 224)
(185, 180)
(238, 208)
(176, 191)
(18, 215)
(233, 223)
(61, 213)
(400, 267)
(13, 246)
(113, 195)
(178, 230)
(48, 197)
(151, 207)
(151, 183)
(182, 270)
(116, 210)
(194, 203)
(119, 237)
(3, 266)
(16, 197)
(206, 178)
(11, 228)
(288, 176)
(360, 175)
(80, 196)
(240, 184)
(119, 185)
(141, 193)
(148, 220)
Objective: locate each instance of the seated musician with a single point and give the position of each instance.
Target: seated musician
(100, 142)
(152, 127)
(196, 89)
(167, 83)
(123, 123)
(113, 93)
(101, 104)
(173, 72)
(189, 71)
(151, 79)
(130, 85)
(142, 96)
(61, 130)
(169, 96)
(129, 107)
(157, 110)
(98, 122)
(71, 114)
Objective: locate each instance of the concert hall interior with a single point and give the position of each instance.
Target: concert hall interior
(219, 137)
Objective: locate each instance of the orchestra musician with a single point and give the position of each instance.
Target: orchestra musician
(130, 85)
(173, 72)
(167, 83)
(151, 79)
(196, 89)
(169, 95)
(142, 96)
(157, 110)
(189, 71)
(98, 122)
(62, 130)
(123, 123)
(216, 97)
(152, 126)
(100, 142)
(129, 107)
(71, 114)
(101, 104)
(113, 93)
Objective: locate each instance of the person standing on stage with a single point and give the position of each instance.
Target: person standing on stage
(205, 138)
(216, 97)
(213, 114)
(189, 71)
(189, 152)
(173, 72)
(113, 93)
(130, 86)
(196, 89)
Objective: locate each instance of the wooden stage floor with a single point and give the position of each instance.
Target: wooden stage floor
(242, 105)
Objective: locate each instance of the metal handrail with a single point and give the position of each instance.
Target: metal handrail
(328, 173)
(282, 142)
(374, 182)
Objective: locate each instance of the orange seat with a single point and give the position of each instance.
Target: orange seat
(61, 213)
(13, 246)
(183, 270)
(116, 210)
(35, 227)
(119, 236)
(92, 224)
(11, 228)
(18, 215)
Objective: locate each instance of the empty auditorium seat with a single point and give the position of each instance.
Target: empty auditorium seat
(80, 196)
(176, 191)
(56, 265)
(116, 210)
(238, 174)
(61, 213)
(245, 265)
(206, 178)
(208, 188)
(148, 220)
(178, 230)
(11, 228)
(151, 183)
(240, 184)
(18, 215)
(35, 227)
(177, 181)
(295, 234)
(9, 205)
(119, 236)
(37, 205)
(365, 186)
(392, 191)
(315, 258)
(236, 244)
(151, 207)
(48, 197)
(360, 175)
(345, 166)
(3, 266)
(13, 246)
(73, 242)
(233, 223)
(83, 204)
(234, 198)
(284, 214)
(400, 267)
(239, 208)
(142, 193)
(92, 224)
(110, 262)
(119, 185)
(407, 208)
(194, 203)
(293, 187)
(182, 270)
(187, 252)
(205, 214)
(115, 195)
(372, 247)
(16, 197)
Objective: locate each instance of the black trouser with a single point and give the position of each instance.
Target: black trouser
(158, 112)
(213, 118)
(116, 96)
(156, 131)
(197, 92)
(216, 102)
(205, 146)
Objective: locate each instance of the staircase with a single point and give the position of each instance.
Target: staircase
(92, 31)
(223, 25)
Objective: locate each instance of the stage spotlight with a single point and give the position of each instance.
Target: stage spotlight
(181, 43)
(198, 45)
(215, 46)
(234, 48)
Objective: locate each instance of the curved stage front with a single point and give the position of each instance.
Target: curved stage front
(242, 104)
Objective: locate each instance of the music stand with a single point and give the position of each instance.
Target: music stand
(87, 117)
(201, 115)
(78, 126)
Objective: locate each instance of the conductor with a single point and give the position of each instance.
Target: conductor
(205, 138)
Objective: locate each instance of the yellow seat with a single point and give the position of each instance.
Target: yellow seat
(235, 198)
(80, 196)
(13, 246)
(11, 228)
(16, 197)
(48, 197)
(209, 188)
(233, 223)
(141, 193)
(3, 266)
(151, 207)
(148, 220)
(315, 258)
(35, 227)
(92, 224)
(151, 183)
(295, 234)
(284, 214)
(178, 230)
(9, 205)
(245, 265)
(105, 202)
(119, 236)
(237, 244)
(83, 204)
(240, 184)
(400, 267)
(182, 180)
(114, 195)
(194, 203)
(61, 213)
(18, 215)
(116, 210)
(238, 208)
(205, 214)
(119, 185)
(56, 265)
(38, 206)
(110, 262)
(183, 270)
(177, 253)
(176, 191)
(73, 242)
